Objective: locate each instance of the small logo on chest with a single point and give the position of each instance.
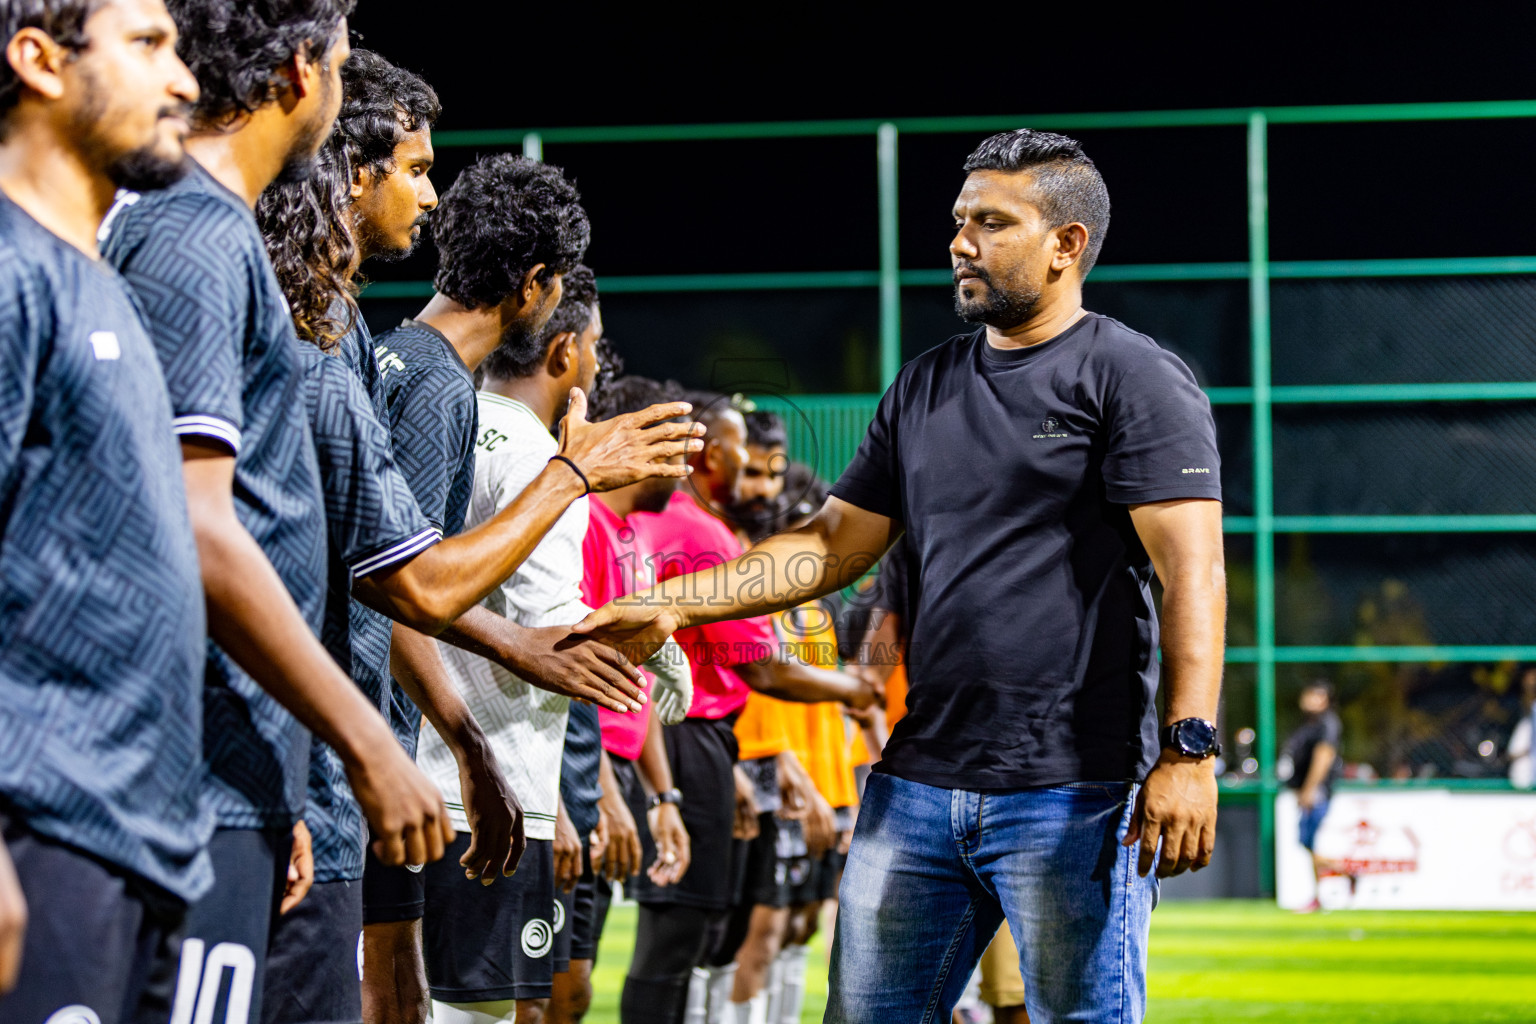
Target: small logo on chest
(105, 345)
(388, 361)
(1051, 427)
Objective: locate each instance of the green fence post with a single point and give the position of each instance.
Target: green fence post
(1263, 485)
(890, 259)
(533, 146)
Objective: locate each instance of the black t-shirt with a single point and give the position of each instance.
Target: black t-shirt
(1302, 747)
(1032, 653)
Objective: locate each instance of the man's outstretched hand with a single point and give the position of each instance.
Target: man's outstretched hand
(634, 446)
(633, 625)
(553, 658)
(1176, 805)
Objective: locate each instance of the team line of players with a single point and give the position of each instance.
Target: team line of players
(246, 548)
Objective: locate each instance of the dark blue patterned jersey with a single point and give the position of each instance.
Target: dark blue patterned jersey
(371, 631)
(101, 604)
(374, 524)
(195, 258)
(433, 420)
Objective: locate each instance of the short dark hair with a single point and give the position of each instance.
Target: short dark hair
(1068, 186)
(610, 367)
(520, 354)
(709, 407)
(308, 240)
(234, 47)
(633, 393)
(1325, 685)
(504, 216)
(63, 20)
(381, 105)
(766, 429)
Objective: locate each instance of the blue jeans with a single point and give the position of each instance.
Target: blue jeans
(1311, 821)
(933, 872)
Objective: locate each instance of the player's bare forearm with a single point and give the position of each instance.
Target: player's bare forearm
(655, 769)
(1322, 763)
(831, 551)
(880, 650)
(788, 678)
(418, 667)
(550, 658)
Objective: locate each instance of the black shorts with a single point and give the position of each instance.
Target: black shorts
(628, 777)
(585, 915)
(229, 931)
(813, 881)
(97, 936)
(315, 962)
(703, 755)
(391, 893)
(764, 880)
(491, 942)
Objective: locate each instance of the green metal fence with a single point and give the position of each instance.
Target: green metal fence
(835, 422)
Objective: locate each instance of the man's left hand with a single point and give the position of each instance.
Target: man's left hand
(1176, 805)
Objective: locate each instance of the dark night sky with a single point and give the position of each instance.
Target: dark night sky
(1397, 190)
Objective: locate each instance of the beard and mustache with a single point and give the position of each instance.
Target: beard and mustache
(995, 307)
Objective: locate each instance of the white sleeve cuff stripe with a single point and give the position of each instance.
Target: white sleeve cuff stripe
(207, 426)
(401, 552)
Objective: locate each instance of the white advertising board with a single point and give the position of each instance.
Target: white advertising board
(1413, 850)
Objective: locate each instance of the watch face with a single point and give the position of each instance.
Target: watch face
(1195, 737)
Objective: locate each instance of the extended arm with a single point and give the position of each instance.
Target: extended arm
(831, 551)
(253, 618)
(440, 584)
(1178, 802)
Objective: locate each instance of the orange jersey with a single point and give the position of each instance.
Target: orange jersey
(819, 733)
(896, 695)
(763, 728)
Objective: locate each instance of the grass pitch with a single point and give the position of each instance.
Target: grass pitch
(1241, 961)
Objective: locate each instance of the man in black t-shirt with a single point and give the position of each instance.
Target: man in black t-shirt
(1313, 753)
(1041, 468)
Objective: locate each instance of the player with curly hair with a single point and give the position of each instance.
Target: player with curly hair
(102, 831)
(506, 233)
(387, 563)
(269, 72)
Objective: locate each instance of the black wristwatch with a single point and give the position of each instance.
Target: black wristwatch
(1191, 737)
(673, 796)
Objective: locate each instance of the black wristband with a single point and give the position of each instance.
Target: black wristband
(577, 470)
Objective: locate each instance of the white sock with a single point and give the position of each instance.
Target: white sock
(773, 989)
(721, 981)
(792, 997)
(753, 1011)
(498, 1012)
(698, 997)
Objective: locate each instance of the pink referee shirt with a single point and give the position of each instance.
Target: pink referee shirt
(684, 539)
(613, 564)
